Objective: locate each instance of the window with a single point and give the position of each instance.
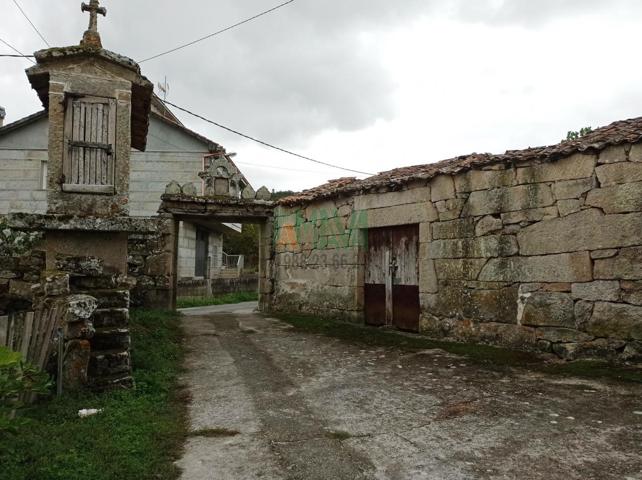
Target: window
(43, 175)
(90, 128)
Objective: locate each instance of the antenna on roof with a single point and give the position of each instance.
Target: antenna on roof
(164, 87)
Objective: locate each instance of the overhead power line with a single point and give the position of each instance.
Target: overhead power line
(15, 55)
(261, 142)
(30, 22)
(28, 57)
(247, 20)
(237, 162)
(272, 167)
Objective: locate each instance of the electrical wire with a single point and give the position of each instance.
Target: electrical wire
(237, 162)
(28, 57)
(15, 56)
(272, 167)
(218, 32)
(261, 142)
(29, 20)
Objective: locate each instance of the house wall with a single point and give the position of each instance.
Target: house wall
(187, 250)
(21, 169)
(171, 155)
(535, 256)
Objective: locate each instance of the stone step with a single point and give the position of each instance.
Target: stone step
(111, 318)
(107, 338)
(108, 363)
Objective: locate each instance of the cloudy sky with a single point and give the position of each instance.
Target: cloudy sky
(366, 84)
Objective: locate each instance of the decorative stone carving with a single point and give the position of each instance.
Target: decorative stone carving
(263, 194)
(190, 189)
(173, 188)
(221, 177)
(248, 193)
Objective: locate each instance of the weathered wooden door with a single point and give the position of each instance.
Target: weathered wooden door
(392, 277)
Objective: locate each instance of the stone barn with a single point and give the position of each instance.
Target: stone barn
(538, 249)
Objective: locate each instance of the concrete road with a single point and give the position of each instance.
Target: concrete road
(268, 402)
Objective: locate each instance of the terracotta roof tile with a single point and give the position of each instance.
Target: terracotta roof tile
(625, 131)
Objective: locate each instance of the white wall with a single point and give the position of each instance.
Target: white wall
(22, 154)
(187, 250)
(171, 155)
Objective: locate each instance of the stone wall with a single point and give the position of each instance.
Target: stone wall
(216, 286)
(536, 256)
(149, 262)
(98, 343)
(18, 275)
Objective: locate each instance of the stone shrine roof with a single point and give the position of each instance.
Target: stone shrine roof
(617, 133)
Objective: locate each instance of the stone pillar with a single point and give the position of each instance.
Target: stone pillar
(266, 264)
(172, 241)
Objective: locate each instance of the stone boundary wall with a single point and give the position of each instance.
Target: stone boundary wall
(149, 262)
(18, 275)
(538, 256)
(217, 286)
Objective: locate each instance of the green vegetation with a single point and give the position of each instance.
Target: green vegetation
(490, 357)
(228, 298)
(245, 242)
(572, 135)
(18, 381)
(138, 434)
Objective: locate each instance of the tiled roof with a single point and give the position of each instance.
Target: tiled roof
(625, 131)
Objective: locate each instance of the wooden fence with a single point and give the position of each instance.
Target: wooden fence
(31, 334)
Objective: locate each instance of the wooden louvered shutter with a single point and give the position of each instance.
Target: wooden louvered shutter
(90, 138)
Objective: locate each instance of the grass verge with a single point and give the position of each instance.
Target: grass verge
(139, 433)
(492, 357)
(228, 298)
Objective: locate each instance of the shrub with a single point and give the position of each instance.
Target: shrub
(18, 381)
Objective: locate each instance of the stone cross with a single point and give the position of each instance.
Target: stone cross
(94, 9)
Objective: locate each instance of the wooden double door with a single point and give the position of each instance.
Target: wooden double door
(392, 277)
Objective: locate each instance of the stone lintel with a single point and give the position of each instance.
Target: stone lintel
(27, 221)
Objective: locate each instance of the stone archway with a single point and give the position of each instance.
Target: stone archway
(181, 207)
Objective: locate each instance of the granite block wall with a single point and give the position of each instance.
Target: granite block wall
(540, 256)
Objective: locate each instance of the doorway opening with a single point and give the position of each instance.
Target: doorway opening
(392, 278)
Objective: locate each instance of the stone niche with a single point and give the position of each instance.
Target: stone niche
(221, 177)
(98, 105)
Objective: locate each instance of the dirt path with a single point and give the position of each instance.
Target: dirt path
(272, 403)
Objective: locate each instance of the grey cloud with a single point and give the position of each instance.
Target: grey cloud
(534, 12)
(284, 77)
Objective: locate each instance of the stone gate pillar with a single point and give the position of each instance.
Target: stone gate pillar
(266, 264)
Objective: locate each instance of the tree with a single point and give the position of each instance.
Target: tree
(244, 243)
(281, 194)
